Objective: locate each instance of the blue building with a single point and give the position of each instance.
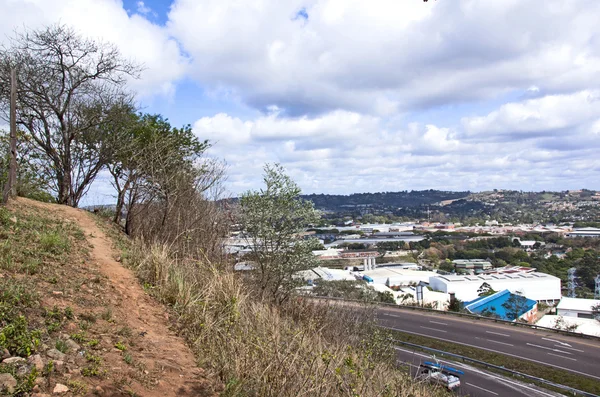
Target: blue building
(492, 305)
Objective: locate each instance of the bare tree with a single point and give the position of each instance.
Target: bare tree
(10, 188)
(168, 188)
(69, 89)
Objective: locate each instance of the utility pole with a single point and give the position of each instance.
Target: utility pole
(10, 189)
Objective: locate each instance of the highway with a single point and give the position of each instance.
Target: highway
(476, 382)
(573, 354)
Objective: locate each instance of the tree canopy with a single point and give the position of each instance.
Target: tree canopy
(69, 89)
(273, 219)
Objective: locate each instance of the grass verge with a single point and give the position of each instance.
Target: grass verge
(527, 367)
(257, 349)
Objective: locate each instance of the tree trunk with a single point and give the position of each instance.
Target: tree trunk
(121, 201)
(10, 190)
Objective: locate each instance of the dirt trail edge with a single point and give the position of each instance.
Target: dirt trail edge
(142, 314)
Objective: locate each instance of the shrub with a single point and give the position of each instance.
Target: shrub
(54, 242)
(18, 339)
(257, 348)
(61, 346)
(4, 217)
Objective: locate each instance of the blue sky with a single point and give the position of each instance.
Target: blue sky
(355, 96)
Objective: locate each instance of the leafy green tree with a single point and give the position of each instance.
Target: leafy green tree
(455, 305)
(273, 219)
(447, 266)
(485, 290)
(352, 289)
(515, 305)
(148, 155)
(68, 88)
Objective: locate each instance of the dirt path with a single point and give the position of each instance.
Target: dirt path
(163, 350)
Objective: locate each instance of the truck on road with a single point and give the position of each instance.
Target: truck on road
(443, 375)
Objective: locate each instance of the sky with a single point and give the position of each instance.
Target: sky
(358, 96)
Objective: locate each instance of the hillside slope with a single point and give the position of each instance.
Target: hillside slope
(85, 313)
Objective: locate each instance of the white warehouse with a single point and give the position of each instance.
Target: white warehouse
(536, 286)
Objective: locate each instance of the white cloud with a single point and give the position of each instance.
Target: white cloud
(142, 8)
(334, 95)
(384, 56)
(137, 38)
(344, 152)
(540, 116)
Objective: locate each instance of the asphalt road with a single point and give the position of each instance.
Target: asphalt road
(573, 354)
(476, 382)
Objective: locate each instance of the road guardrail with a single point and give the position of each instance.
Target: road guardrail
(568, 389)
(458, 314)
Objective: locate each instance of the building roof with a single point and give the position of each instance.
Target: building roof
(325, 273)
(585, 326)
(494, 304)
(510, 270)
(397, 276)
(587, 229)
(516, 277)
(583, 305)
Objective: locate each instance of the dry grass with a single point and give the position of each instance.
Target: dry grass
(257, 349)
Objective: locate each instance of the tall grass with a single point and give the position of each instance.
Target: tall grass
(257, 349)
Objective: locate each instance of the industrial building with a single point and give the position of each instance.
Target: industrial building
(471, 264)
(584, 232)
(324, 273)
(392, 276)
(577, 307)
(537, 286)
(494, 305)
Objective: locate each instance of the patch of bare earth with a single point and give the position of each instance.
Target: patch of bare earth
(126, 346)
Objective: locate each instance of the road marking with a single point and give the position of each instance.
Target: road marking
(568, 358)
(497, 333)
(557, 341)
(548, 348)
(412, 352)
(481, 388)
(433, 329)
(497, 351)
(437, 322)
(570, 348)
(502, 343)
(391, 315)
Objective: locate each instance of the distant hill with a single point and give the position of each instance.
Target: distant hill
(414, 198)
(502, 205)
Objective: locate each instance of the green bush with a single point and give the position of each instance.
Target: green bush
(14, 295)
(4, 217)
(18, 339)
(54, 243)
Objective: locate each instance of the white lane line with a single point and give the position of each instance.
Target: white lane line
(497, 333)
(412, 352)
(502, 343)
(570, 348)
(557, 341)
(433, 329)
(568, 358)
(390, 315)
(481, 388)
(497, 351)
(437, 322)
(548, 348)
